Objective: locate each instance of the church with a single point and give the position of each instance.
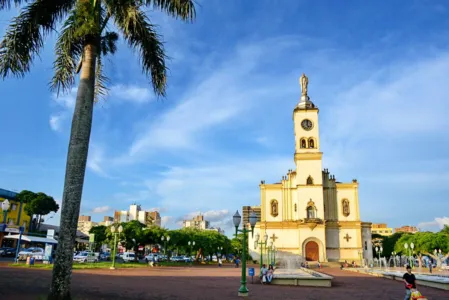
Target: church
(309, 212)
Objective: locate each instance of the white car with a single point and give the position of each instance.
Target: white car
(85, 256)
(128, 256)
(36, 253)
(150, 257)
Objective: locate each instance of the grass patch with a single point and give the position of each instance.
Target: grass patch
(81, 266)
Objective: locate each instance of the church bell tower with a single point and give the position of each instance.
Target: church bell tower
(308, 157)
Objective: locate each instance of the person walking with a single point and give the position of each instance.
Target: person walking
(410, 283)
(430, 266)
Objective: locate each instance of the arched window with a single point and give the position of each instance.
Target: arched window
(309, 180)
(311, 210)
(303, 143)
(311, 143)
(366, 245)
(345, 207)
(311, 213)
(274, 208)
(296, 207)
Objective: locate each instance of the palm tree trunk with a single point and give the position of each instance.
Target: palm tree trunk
(74, 176)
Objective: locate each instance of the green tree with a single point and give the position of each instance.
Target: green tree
(445, 230)
(134, 235)
(101, 236)
(40, 205)
(26, 196)
(83, 42)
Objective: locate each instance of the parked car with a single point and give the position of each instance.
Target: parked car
(105, 256)
(7, 251)
(177, 259)
(35, 252)
(150, 257)
(86, 256)
(128, 256)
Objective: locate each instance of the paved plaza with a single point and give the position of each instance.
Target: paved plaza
(170, 283)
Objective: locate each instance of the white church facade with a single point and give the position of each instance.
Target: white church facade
(309, 212)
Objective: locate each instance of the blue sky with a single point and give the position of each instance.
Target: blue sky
(378, 71)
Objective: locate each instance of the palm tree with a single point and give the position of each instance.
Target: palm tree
(83, 41)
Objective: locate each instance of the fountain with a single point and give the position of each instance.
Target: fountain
(290, 272)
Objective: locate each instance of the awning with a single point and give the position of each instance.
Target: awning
(32, 239)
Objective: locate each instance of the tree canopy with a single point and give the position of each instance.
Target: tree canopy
(38, 204)
(424, 242)
(135, 234)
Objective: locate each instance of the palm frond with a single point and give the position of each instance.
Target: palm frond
(101, 81)
(24, 37)
(141, 35)
(107, 46)
(108, 43)
(68, 50)
(183, 9)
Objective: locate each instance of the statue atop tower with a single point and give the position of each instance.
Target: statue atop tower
(304, 102)
(303, 82)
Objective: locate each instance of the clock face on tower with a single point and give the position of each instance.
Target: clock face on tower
(306, 124)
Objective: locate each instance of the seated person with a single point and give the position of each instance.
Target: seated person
(270, 273)
(263, 274)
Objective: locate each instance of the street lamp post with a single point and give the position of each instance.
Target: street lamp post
(262, 244)
(115, 231)
(379, 251)
(270, 253)
(21, 229)
(165, 240)
(5, 207)
(191, 244)
(243, 290)
(394, 258)
(406, 246)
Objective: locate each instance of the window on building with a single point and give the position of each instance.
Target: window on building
(10, 221)
(296, 207)
(311, 212)
(311, 143)
(366, 245)
(24, 225)
(274, 208)
(13, 207)
(309, 180)
(303, 143)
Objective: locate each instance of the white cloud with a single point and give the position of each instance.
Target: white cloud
(65, 103)
(410, 100)
(438, 222)
(55, 121)
(96, 159)
(215, 99)
(101, 209)
(166, 221)
(120, 92)
(131, 93)
(66, 100)
(229, 184)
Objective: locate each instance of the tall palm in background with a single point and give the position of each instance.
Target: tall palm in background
(83, 41)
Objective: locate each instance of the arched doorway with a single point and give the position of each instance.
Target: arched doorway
(312, 251)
